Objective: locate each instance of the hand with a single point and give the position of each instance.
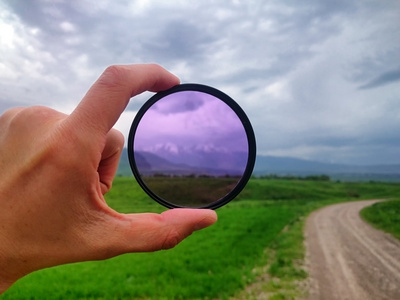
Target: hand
(55, 170)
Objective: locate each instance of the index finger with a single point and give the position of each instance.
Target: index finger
(102, 105)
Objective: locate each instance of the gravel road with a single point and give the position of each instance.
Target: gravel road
(347, 258)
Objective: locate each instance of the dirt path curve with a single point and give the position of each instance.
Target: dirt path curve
(347, 258)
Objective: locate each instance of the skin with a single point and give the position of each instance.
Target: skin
(55, 169)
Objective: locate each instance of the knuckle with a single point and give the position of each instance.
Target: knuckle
(117, 138)
(10, 113)
(113, 76)
(33, 114)
(38, 140)
(29, 125)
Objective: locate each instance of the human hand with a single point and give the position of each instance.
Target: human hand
(55, 170)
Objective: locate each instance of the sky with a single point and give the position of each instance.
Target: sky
(319, 80)
(191, 121)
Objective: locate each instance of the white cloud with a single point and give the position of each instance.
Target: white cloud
(124, 123)
(317, 80)
(67, 26)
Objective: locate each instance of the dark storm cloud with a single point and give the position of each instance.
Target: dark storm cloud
(104, 36)
(383, 79)
(180, 40)
(318, 79)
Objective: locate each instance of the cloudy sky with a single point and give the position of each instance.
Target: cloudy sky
(196, 121)
(319, 80)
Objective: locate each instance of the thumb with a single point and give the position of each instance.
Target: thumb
(151, 232)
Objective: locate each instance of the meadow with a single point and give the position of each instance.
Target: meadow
(258, 235)
(191, 191)
(384, 216)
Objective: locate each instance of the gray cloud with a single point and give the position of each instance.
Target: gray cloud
(180, 40)
(317, 78)
(383, 79)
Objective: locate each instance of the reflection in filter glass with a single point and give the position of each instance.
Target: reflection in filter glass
(191, 148)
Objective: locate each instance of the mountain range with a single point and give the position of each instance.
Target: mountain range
(284, 166)
(189, 163)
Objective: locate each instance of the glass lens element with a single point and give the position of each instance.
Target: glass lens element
(190, 149)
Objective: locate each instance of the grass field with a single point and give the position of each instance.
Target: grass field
(191, 191)
(384, 216)
(257, 234)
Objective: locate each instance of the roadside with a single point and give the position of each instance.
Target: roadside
(283, 275)
(349, 259)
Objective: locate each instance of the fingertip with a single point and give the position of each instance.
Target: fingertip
(210, 217)
(160, 83)
(197, 218)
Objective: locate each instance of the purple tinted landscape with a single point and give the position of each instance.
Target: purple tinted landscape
(216, 164)
(191, 132)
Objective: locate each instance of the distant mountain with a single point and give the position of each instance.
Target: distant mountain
(289, 165)
(205, 156)
(266, 165)
(212, 163)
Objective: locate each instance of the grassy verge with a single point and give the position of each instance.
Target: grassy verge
(258, 238)
(384, 216)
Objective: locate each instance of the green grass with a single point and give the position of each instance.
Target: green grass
(384, 216)
(191, 191)
(260, 231)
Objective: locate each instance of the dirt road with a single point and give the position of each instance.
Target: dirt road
(347, 258)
